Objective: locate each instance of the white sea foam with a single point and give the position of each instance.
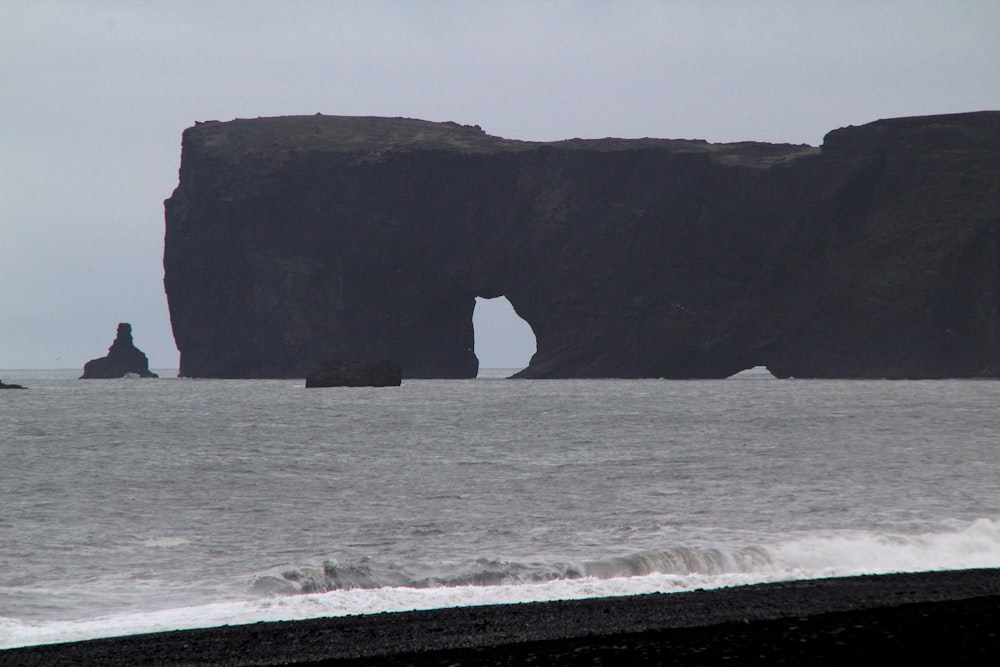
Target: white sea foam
(973, 546)
(804, 557)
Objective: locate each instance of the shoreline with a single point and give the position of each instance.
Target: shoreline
(950, 615)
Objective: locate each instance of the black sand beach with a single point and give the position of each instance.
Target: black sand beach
(939, 618)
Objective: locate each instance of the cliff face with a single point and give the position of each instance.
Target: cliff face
(294, 240)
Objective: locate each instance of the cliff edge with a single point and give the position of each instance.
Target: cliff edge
(297, 239)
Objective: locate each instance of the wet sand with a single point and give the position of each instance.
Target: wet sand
(939, 618)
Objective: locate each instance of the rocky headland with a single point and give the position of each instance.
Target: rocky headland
(123, 358)
(298, 239)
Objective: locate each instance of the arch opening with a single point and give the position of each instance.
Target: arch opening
(504, 343)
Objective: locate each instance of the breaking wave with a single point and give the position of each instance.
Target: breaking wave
(809, 556)
(366, 574)
(364, 586)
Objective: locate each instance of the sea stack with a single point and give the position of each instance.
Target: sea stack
(123, 358)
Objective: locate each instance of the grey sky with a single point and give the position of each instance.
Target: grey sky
(96, 95)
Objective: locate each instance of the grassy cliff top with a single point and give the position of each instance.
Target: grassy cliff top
(342, 134)
(371, 135)
(277, 138)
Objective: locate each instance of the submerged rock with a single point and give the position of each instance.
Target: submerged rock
(123, 359)
(347, 373)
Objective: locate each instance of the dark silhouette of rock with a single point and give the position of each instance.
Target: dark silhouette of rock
(11, 386)
(298, 239)
(123, 359)
(347, 373)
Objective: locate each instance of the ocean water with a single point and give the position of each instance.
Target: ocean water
(135, 505)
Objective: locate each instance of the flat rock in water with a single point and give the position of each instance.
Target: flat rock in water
(347, 373)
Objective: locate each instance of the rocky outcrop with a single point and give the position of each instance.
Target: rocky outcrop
(348, 373)
(298, 239)
(11, 386)
(123, 358)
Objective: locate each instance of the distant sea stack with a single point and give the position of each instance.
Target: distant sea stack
(298, 239)
(123, 358)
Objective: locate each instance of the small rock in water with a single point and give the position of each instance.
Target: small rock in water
(348, 373)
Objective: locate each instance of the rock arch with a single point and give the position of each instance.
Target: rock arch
(298, 239)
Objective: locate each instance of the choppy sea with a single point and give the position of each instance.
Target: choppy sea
(133, 505)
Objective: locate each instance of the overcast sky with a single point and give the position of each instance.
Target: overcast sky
(95, 95)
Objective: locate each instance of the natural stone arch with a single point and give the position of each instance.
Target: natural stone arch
(298, 239)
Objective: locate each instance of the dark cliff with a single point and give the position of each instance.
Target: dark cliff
(294, 240)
